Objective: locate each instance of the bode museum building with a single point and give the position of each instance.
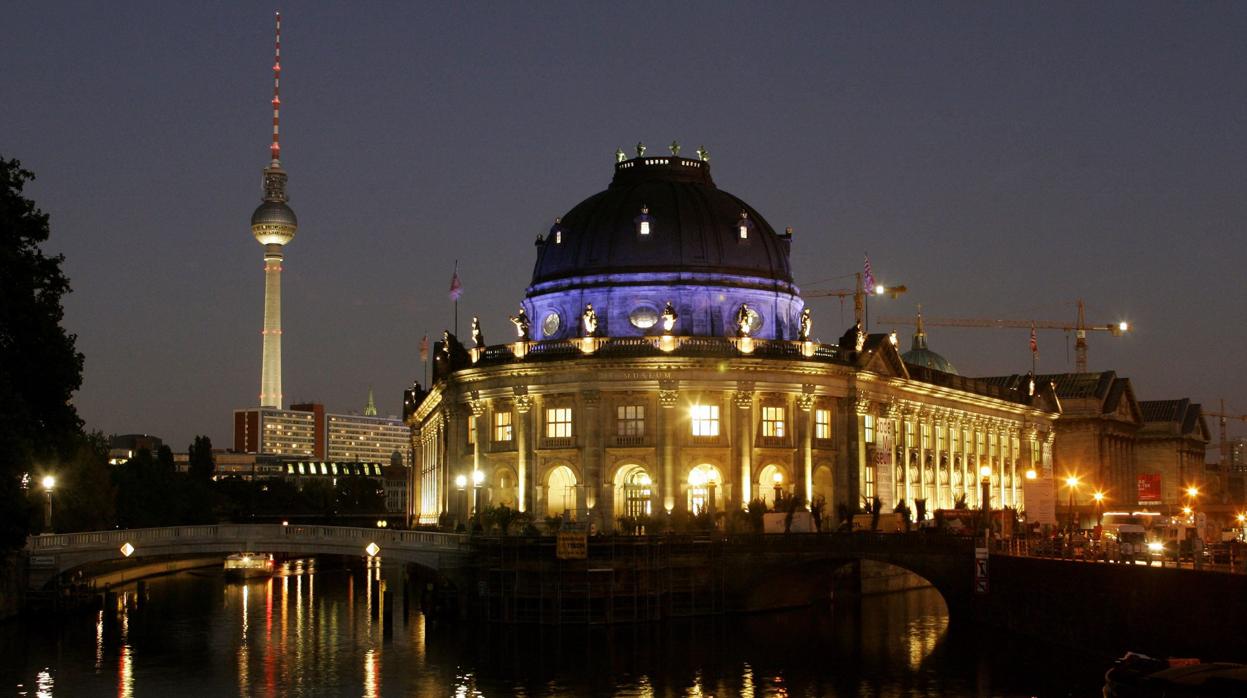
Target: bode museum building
(662, 359)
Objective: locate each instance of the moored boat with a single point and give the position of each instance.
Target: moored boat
(248, 566)
(1137, 675)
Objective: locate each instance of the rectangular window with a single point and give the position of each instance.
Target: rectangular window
(909, 434)
(631, 420)
(870, 482)
(502, 426)
(926, 436)
(558, 422)
(705, 420)
(471, 430)
(869, 428)
(822, 424)
(773, 421)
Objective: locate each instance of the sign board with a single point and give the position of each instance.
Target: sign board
(1039, 496)
(980, 571)
(1149, 488)
(572, 545)
(42, 561)
(885, 447)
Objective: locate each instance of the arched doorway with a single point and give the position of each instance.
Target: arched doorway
(772, 478)
(634, 491)
(560, 491)
(822, 483)
(704, 482)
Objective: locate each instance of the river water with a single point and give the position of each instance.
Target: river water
(310, 632)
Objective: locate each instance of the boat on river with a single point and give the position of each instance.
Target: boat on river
(1140, 676)
(249, 566)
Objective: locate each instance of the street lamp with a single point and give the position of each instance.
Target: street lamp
(478, 477)
(778, 479)
(461, 483)
(1098, 496)
(49, 483)
(1072, 483)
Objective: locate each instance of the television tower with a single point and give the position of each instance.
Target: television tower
(273, 225)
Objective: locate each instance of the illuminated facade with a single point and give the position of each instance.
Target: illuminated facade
(307, 431)
(352, 437)
(690, 383)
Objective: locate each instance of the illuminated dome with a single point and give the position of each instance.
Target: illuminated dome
(274, 223)
(920, 355)
(663, 232)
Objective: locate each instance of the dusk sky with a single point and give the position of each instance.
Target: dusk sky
(1001, 160)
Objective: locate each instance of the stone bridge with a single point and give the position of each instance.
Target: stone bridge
(57, 554)
(789, 569)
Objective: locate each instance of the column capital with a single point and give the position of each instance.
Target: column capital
(523, 401)
(591, 398)
(805, 401)
(668, 392)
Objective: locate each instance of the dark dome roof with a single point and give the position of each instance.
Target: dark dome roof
(694, 228)
(274, 213)
(920, 355)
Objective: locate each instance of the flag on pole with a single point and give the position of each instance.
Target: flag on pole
(424, 349)
(456, 288)
(1034, 341)
(868, 279)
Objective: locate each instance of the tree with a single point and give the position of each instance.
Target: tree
(85, 496)
(200, 460)
(40, 368)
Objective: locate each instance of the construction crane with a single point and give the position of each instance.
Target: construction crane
(858, 293)
(1079, 327)
(1223, 443)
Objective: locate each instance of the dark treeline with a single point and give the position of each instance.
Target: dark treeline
(149, 491)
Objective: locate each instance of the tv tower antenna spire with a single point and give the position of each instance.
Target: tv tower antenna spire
(275, 149)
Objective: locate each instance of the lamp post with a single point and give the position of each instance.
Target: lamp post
(1191, 493)
(49, 483)
(778, 479)
(1072, 483)
(478, 477)
(461, 482)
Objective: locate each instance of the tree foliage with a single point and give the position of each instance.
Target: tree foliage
(39, 366)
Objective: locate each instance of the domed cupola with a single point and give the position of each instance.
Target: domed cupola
(662, 232)
(920, 355)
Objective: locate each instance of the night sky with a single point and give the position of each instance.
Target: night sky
(1000, 160)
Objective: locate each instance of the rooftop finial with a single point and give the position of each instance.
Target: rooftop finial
(919, 329)
(275, 149)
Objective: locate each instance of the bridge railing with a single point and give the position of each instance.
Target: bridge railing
(139, 537)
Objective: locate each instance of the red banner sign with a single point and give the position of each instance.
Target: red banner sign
(1149, 488)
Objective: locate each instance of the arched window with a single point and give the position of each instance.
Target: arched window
(636, 492)
(560, 491)
(770, 479)
(703, 484)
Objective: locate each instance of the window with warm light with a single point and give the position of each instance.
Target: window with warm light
(630, 420)
(870, 482)
(502, 426)
(558, 422)
(822, 424)
(705, 420)
(773, 421)
(868, 428)
(471, 430)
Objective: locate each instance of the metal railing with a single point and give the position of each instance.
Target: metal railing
(175, 534)
(1230, 559)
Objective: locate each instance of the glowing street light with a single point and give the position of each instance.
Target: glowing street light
(778, 480)
(49, 483)
(1098, 496)
(1072, 483)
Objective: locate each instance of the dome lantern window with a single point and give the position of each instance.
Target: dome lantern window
(744, 226)
(644, 223)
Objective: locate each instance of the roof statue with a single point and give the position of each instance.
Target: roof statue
(640, 148)
(675, 147)
(669, 317)
(478, 337)
(589, 320)
(703, 154)
(520, 320)
(807, 325)
(619, 155)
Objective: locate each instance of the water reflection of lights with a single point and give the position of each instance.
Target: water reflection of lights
(372, 674)
(465, 685)
(43, 684)
(125, 664)
(246, 595)
(746, 682)
(922, 635)
(99, 640)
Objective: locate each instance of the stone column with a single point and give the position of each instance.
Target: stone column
(668, 396)
(742, 402)
(856, 407)
(591, 448)
(804, 418)
(523, 406)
